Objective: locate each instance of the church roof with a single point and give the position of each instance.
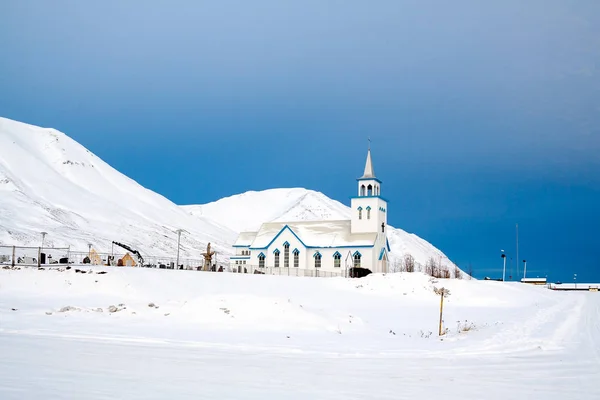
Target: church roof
(369, 173)
(244, 239)
(316, 234)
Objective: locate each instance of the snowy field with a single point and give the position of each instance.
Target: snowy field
(155, 334)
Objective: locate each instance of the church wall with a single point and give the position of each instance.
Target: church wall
(377, 216)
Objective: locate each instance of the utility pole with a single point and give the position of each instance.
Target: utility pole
(178, 231)
(43, 237)
(441, 310)
(517, 259)
(504, 268)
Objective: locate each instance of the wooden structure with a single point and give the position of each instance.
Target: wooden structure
(208, 258)
(127, 261)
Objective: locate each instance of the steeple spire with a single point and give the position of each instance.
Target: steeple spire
(369, 173)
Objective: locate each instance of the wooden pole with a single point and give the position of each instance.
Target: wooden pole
(441, 310)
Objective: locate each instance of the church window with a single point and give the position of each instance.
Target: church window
(286, 255)
(261, 261)
(357, 260)
(277, 259)
(362, 190)
(318, 260)
(359, 212)
(369, 190)
(368, 212)
(296, 258)
(337, 260)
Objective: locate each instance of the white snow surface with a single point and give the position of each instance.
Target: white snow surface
(49, 182)
(203, 335)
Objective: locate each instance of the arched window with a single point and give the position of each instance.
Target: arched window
(382, 227)
(357, 260)
(261, 260)
(359, 212)
(337, 259)
(296, 258)
(317, 260)
(276, 259)
(369, 190)
(368, 212)
(286, 255)
(362, 190)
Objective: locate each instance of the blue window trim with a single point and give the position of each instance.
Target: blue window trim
(296, 251)
(317, 254)
(262, 254)
(276, 251)
(311, 247)
(359, 208)
(381, 253)
(368, 179)
(369, 197)
(286, 242)
(355, 253)
(368, 208)
(337, 253)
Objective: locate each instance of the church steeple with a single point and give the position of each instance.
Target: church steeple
(369, 173)
(369, 208)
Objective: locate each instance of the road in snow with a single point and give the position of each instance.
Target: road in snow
(527, 342)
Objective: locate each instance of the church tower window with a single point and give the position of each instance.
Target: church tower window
(296, 258)
(337, 259)
(369, 212)
(286, 255)
(359, 212)
(317, 260)
(369, 190)
(362, 190)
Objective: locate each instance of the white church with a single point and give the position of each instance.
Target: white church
(331, 246)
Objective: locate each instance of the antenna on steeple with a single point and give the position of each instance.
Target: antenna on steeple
(369, 139)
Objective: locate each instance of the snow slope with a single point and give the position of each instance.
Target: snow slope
(247, 211)
(230, 336)
(49, 182)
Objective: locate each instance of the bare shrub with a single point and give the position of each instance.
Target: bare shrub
(408, 263)
(470, 271)
(431, 267)
(444, 272)
(457, 272)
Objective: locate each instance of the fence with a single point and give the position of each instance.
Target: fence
(315, 273)
(33, 256)
(38, 256)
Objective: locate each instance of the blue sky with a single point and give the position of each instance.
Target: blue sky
(481, 115)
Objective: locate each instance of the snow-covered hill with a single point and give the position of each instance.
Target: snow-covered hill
(247, 211)
(49, 182)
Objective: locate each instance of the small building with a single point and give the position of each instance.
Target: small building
(95, 258)
(534, 281)
(127, 261)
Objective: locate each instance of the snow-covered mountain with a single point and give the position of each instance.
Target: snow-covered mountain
(49, 182)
